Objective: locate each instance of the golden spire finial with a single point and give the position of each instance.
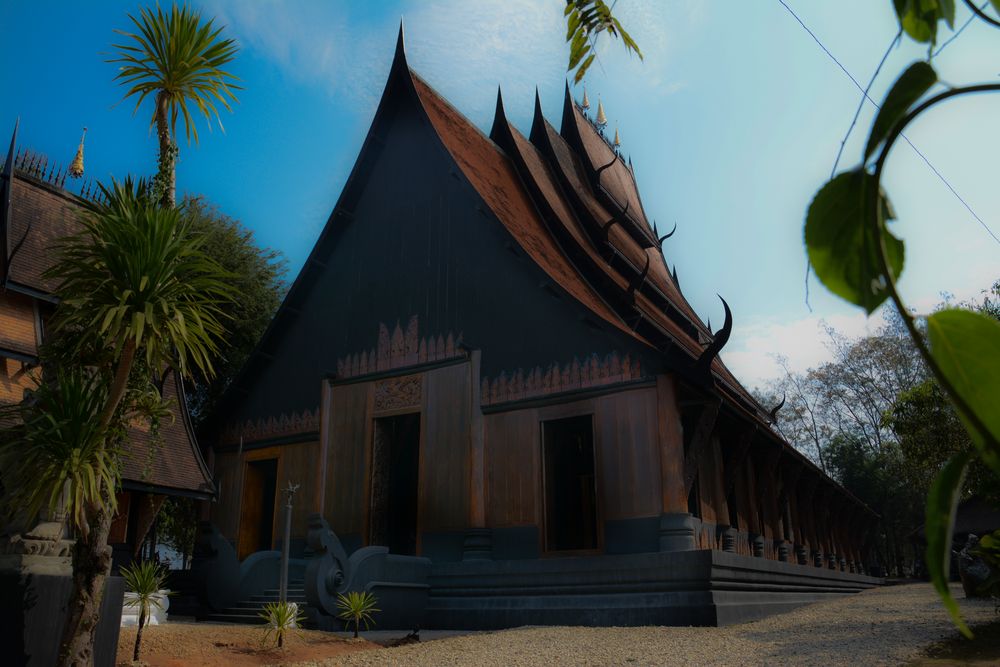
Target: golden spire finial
(586, 102)
(76, 167)
(618, 141)
(602, 120)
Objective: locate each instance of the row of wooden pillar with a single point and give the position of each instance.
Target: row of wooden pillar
(733, 485)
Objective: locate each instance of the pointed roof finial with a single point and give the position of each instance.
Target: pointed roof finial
(618, 141)
(76, 167)
(586, 101)
(602, 120)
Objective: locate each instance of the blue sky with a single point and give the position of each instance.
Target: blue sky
(733, 121)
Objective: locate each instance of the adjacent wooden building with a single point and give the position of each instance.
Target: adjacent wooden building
(37, 209)
(486, 361)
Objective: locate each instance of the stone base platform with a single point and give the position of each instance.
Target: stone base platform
(703, 587)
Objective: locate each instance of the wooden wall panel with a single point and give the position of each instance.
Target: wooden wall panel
(628, 453)
(347, 467)
(17, 323)
(444, 454)
(513, 446)
(626, 449)
(710, 484)
(297, 464)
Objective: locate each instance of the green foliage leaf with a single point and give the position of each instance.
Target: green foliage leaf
(966, 347)
(357, 607)
(909, 88)
(919, 18)
(942, 503)
(585, 19)
(842, 249)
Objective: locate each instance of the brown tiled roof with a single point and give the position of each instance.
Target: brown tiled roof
(495, 179)
(157, 462)
(41, 215)
(616, 180)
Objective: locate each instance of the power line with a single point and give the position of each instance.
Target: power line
(905, 138)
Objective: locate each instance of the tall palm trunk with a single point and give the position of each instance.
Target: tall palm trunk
(166, 174)
(91, 553)
(91, 564)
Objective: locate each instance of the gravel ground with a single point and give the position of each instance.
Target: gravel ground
(886, 626)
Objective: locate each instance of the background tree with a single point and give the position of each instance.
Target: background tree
(178, 59)
(257, 276)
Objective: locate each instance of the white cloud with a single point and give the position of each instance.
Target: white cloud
(757, 344)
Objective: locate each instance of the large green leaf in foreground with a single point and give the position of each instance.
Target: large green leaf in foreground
(966, 347)
(942, 502)
(842, 246)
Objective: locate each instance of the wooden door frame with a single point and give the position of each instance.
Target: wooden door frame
(370, 459)
(250, 456)
(569, 412)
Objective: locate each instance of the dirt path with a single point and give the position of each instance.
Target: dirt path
(887, 626)
(211, 645)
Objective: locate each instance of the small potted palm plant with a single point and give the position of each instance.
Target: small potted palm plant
(357, 607)
(145, 583)
(282, 618)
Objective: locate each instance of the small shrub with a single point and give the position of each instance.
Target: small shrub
(281, 617)
(357, 607)
(145, 579)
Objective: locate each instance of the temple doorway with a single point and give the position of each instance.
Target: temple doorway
(260, 483)
(395, 474)
(570, 488)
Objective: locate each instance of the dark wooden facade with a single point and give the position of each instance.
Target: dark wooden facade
(506, 292)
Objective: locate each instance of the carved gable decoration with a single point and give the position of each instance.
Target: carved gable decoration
(398, 393)
(400, 348)
(577, 375)
(272, 427)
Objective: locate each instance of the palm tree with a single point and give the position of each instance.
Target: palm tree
(144, 580)
(357, 607)
(136, 293)
(178, 59)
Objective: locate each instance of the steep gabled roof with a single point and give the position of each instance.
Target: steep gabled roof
(494, 177)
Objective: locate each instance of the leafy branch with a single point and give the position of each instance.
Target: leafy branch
(585, 20)
(856, 257)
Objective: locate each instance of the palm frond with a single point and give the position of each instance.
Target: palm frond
(178, 53)
(136, 273)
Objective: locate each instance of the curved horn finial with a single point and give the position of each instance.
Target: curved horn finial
(597, 174)
(704, 362)
(634, 285)
(774, 411)
(664, 238)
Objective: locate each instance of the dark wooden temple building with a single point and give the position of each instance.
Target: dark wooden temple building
(486, 362)
(38, 207)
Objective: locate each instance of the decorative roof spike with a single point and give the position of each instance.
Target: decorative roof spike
(76, 167)
(773, 414)
(586, 102)
(602, 119)
(618, 140)
(721, 337)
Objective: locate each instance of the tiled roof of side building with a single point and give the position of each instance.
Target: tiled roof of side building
(156, 462)
(40, 216)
